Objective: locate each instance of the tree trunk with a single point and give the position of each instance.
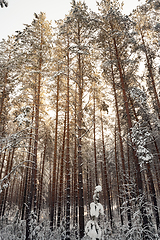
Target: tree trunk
(3, 95)
(3, 159)
(52, 217)
(151, 74)
(61, 176)
(117, 178)
(94, 131)
(153, 194)
(75, 190)
(27, 183)
(41, 180)
(3, 191)
(106, 177)
(6, 192)
(80, 161)
(33, 187)
(68, 154)
(121, 149)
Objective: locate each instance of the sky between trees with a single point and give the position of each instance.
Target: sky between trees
(19, 12)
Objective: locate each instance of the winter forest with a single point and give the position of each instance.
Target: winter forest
(80, 126)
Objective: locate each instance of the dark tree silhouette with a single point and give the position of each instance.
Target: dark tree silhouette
(3, 3)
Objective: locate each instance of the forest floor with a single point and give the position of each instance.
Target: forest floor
(12, 228)
(15, 230)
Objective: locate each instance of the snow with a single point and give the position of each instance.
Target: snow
(92, 228)
(96, 209)
(140, 137)
(98, 188)
(22, 118)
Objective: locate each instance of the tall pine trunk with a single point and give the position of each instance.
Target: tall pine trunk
(68, 170)
(60, 197)
(32, 197)
(121, 148)
(6, 192)
(75, 182)
(41, 180)
(5, 174)
(105, 175)
(94, 132)
(149, 66)
(3, 95)
(52, 217)
(117, 178)
(80, 160)
(27, 171)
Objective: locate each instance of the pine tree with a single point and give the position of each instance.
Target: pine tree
(114, 22)
(3, 3)
(35, 46)
(144, 29)
(78, 24)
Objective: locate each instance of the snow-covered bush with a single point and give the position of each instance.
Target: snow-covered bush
(92, 229)
(140, 137)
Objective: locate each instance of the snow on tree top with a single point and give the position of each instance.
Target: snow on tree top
(98, 188)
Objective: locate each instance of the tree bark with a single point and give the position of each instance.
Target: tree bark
(80, 161)
(52, 217)
(3, 191)
(117, 178)
(6, 192)
(68, 153)
(106, 177)
(94, 131)
(41, 180)
(61, 176)
(151, 74)
(121, 149)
